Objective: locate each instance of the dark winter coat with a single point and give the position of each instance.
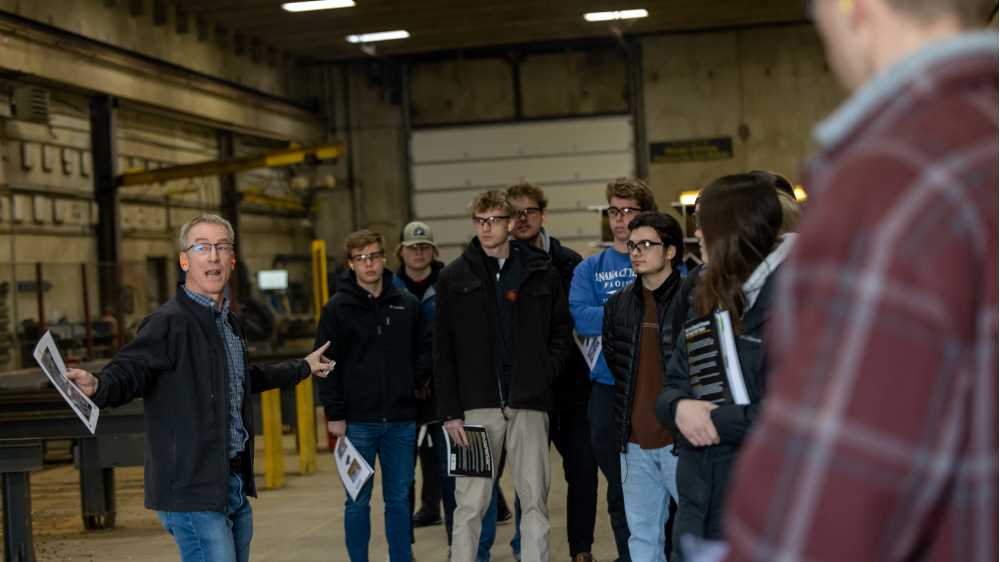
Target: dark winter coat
(382, 350)
(623, 314)
(572, 387)
(177, 364)
(466, 360)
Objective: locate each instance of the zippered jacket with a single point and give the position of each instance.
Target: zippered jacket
(382, 350)
(466, 362)
(177, 364)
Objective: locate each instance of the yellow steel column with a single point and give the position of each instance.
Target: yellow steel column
(274, 460)
(305, 406)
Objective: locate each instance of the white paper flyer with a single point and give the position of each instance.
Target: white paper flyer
(590, 346)
(354, 470)
(47, 355)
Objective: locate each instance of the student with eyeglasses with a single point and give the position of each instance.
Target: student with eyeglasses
(638, 340)
(594, 281)
(383, 350)
(189, 364)
(569, 429)
(501, 337)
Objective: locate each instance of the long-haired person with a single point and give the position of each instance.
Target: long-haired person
(739, 218)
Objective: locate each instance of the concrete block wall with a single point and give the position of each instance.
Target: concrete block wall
(765, 88)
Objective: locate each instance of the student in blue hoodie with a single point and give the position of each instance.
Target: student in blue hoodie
(594, 281)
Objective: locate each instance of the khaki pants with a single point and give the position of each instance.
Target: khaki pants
(525, 434)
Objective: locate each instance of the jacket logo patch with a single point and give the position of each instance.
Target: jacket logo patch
(510, 295)
(397, 307)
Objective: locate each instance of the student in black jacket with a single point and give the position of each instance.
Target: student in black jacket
(501, 335)
(740, 220)
(188, 363)
(638, 341)
(569, 428)
(382, 350)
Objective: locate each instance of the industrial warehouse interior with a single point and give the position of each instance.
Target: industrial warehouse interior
(281, 163)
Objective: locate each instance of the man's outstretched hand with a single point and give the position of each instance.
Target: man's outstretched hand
(318, 364)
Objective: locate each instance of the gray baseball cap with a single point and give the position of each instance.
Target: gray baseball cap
(417, 233)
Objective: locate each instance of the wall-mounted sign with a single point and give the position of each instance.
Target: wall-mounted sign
(691, 150)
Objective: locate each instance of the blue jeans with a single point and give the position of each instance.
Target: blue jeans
(213, 536)
(515, 543)
(649, 480)
(393, 443)
(488, 533)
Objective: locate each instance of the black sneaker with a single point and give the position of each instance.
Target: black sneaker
(424, 519)
(503, 514)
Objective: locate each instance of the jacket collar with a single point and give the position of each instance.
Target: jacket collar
(755, 283)
(533, 259)
(350, 287)
(401, 276)
(663, 294)
(205, 315)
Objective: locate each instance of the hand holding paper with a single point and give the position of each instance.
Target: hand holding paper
(86, 382)
(456, 431)
(75, 386)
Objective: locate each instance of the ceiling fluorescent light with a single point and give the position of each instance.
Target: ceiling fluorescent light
(317, 5)
(380, 36)
(619, 15)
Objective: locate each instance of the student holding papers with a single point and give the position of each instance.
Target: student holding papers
(739, 218)
(383, 350)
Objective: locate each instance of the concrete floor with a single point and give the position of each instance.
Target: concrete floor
(301, 522)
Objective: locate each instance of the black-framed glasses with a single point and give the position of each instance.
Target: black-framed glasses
(205, 248)
(523, 214)
(491, 221)
(615, 212)
(368, 258)
(641, 246)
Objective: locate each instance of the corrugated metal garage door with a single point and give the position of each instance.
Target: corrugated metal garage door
(572, 160)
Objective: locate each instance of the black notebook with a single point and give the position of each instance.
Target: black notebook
(474, 460)
(713, 363)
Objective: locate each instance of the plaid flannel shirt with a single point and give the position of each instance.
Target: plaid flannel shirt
(237, 370)
(879, 437)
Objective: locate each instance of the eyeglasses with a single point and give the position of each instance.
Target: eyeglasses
(641, 246)
(205, 248)
(491, 221)
(615, 212)
(523, 214)
(368, 258)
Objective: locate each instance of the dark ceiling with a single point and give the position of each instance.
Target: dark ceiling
(436, 25)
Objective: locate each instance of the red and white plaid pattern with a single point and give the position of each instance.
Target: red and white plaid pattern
(879, 437)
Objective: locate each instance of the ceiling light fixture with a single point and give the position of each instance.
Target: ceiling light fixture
(311, 5)
(619, 15)
(379, 36)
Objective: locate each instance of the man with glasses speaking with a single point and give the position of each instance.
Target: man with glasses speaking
(382, 349)
(501, 336)
(188, 363)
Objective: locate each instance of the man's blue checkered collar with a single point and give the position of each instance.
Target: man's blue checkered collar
(207, 301)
